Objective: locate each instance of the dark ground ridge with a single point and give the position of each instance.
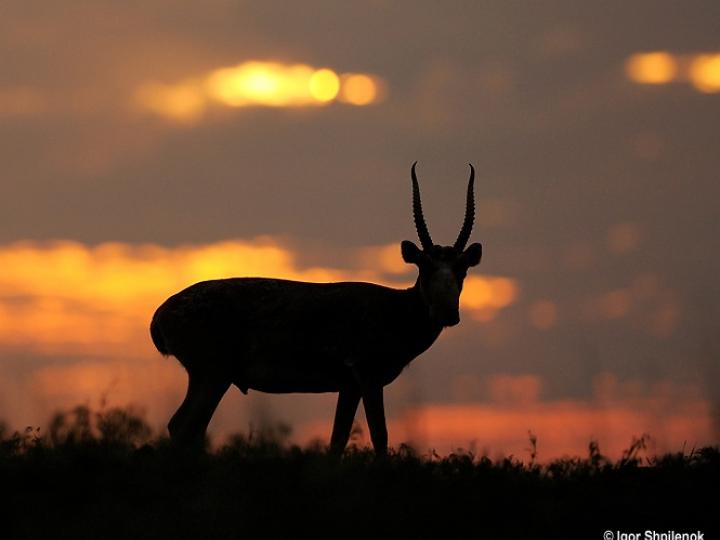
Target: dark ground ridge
(102, 475)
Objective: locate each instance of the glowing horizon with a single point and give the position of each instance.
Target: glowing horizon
(497, 421)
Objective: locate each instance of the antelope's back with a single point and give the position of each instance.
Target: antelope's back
(251, 326)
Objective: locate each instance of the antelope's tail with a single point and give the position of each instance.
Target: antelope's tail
(158, 338)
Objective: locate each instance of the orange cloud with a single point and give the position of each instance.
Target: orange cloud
(701, 70)
(66, 297)
(384, 258)
(258, 83)
(704, 73)
(658, 67)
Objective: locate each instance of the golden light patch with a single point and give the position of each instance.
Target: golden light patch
(701, 70)
(657, 67)
(484, 296)
(184, 101)
(261, 83)
(704, 73)
(256, 84)
(324, 85)
(386, 259)
(494, 292)
(359, 89)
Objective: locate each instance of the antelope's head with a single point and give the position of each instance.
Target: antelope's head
(442, 268)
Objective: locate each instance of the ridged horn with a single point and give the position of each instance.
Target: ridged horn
(464, 235)
(420, 225)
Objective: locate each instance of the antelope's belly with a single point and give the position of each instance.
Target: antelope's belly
(279, 376)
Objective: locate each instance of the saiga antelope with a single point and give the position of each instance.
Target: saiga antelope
(279, 336)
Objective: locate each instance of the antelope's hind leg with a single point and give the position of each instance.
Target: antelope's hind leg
(188, 425)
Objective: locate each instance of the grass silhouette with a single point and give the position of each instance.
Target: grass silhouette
(102, 474)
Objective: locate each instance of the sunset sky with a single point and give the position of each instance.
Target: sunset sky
(146, 146)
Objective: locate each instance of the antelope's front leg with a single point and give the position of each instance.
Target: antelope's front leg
(372, 395)
(348, 400)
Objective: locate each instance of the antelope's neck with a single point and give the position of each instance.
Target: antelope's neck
(423, 328)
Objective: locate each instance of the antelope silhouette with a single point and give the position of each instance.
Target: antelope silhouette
(280, 336)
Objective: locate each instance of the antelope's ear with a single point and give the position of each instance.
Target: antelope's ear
(411, 254)
(472, 255)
